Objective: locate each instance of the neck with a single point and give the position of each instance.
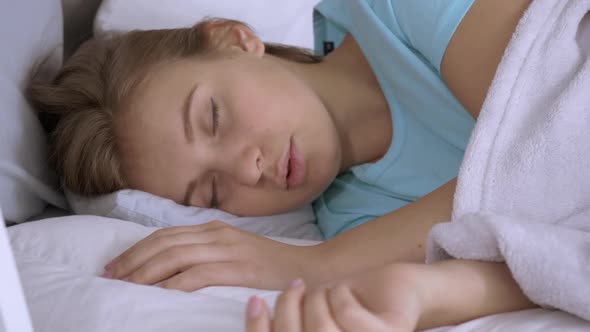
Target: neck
(348, 88)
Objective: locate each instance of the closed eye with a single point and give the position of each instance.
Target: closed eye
(214, 126)
(214, 117)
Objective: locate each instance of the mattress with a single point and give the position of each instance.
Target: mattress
(60, 259)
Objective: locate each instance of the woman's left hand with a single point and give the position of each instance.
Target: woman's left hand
(390, 298)
(213, 254)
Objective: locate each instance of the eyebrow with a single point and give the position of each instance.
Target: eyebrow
(186, 109)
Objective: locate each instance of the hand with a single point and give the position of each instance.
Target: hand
(398, 297)
(213, 254)
(390, 298)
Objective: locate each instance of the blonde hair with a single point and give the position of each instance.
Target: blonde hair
(78, 108)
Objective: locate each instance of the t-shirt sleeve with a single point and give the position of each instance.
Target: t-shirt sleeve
(429, 25)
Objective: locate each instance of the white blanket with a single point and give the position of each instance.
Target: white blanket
(523, 194)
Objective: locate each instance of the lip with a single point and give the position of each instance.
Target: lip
(296, 165)
(284, 165)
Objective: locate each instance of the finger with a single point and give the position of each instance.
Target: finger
(350, 315)
(174, 260)
(257, 316)
(165, 232)
(144, 251)
(192, 228)
(316, 313)
(205, 275)
(288, 315)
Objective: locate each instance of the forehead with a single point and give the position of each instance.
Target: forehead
(163, 78)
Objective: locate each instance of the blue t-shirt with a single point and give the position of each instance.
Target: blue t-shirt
(404, 42)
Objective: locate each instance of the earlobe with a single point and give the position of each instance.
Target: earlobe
(248, 41)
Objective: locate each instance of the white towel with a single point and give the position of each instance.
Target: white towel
(523, 193)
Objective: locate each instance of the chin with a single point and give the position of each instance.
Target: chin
(320, 187)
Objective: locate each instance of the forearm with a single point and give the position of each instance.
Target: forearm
(459, 291)
(397, 237)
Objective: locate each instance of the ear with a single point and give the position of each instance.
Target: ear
(231, 34)
(247, 40)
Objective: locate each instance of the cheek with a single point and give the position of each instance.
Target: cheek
(255, 109)
(270, 99)
(250, 202)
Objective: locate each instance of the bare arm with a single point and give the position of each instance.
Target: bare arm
(396, 237)
(474, 53)
(396, 297)
(465, 290)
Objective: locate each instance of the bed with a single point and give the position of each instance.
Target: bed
(59, 256)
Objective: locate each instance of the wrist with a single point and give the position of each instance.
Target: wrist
(438, 296)
(324, 262)
(306, 264)
(459, 291)
(452, 295)
(317, 265)
(427, 283)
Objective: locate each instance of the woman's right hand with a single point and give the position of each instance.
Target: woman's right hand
(189, 258)
(389, 298)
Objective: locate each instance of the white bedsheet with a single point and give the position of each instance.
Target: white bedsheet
(59, 260)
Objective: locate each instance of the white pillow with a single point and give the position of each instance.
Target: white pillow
(154, 211)
(59, 261)
(280, 21)
(30, 35)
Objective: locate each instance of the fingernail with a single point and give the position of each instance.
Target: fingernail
(107, 274)
(254, 307)
(296, 283)
(110, 264)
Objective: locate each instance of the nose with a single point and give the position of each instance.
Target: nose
(245, 164)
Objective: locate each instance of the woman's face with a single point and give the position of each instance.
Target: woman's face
(234, 131)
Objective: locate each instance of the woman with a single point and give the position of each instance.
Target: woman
(211, 116)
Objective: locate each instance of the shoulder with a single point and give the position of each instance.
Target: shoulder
(476, 48)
